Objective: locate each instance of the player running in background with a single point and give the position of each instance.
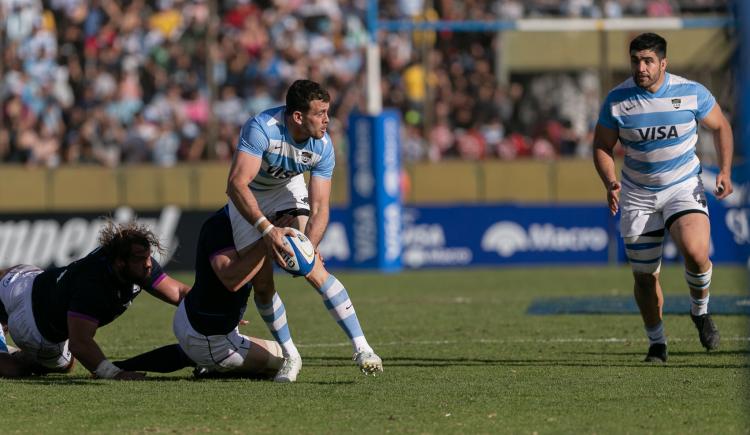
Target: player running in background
(205, 323)
(266, 181)
(53, 315)
(655, 116)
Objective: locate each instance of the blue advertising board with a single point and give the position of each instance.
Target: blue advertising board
(479, 235)
(374, 175)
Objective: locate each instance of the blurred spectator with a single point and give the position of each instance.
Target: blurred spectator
(132, 81)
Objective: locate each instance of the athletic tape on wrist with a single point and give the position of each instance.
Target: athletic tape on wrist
(259, 221)
(267, 230)
(107, 370)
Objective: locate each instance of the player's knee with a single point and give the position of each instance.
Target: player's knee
(318, 275)
(699, 281)
(696, 259)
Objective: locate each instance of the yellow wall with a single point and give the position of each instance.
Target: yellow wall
(202, 186)
(686, 49)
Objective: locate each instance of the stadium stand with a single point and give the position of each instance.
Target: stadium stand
(111, 82)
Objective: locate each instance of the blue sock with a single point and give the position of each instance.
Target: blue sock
(274, 314)
(337, 301)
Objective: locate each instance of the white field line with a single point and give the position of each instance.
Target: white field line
(494, 341)
(511, 341)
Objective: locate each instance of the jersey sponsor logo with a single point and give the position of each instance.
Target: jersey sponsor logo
(508, 238)
(304, 157)
(657, 133)
(280, 173)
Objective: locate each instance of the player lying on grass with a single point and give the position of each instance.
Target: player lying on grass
(53, 315)
(206, 322)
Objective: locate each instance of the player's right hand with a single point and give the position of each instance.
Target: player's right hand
(130, 376)
(277, 243)
(613, 197)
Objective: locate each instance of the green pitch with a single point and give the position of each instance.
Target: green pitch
(460, 354)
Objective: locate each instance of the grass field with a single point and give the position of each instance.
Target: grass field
(460, 356)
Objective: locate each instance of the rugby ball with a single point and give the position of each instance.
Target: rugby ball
(302, 261)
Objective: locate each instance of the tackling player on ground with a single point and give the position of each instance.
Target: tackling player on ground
(205, 323)
(655, 117)
(53, 315)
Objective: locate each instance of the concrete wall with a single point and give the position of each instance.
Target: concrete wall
(202, 186)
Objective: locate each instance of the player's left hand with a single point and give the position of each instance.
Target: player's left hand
(723, 185)
(613, 196)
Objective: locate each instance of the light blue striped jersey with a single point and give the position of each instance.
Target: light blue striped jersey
(267, 137)
(657, 130)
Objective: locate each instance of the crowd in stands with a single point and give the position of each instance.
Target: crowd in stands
(162, 81)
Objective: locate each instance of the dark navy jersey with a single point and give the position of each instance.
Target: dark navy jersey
(211, 308)
(86, 288)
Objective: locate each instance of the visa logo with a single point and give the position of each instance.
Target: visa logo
(655, 133)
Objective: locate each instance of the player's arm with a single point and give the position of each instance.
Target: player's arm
(319, 192)
(724, 143)
(233, 270)
(81, 331)
(605, 140)
(245, 167)
(169, 290)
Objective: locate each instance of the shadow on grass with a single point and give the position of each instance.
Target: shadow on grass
(478, 362)
(735, 352)
(70, 381)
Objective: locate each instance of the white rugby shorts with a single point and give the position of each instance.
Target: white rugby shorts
(291, 195)
(15, 292)
(643, 211)
(220, 353)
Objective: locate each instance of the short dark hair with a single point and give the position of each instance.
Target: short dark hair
(117, 240)
(650, 41)
(301, 93)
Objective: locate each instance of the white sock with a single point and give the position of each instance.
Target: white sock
(699, 307)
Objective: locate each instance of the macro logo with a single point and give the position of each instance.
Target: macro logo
(508, 238)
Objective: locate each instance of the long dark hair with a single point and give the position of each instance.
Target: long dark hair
(116, 240)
